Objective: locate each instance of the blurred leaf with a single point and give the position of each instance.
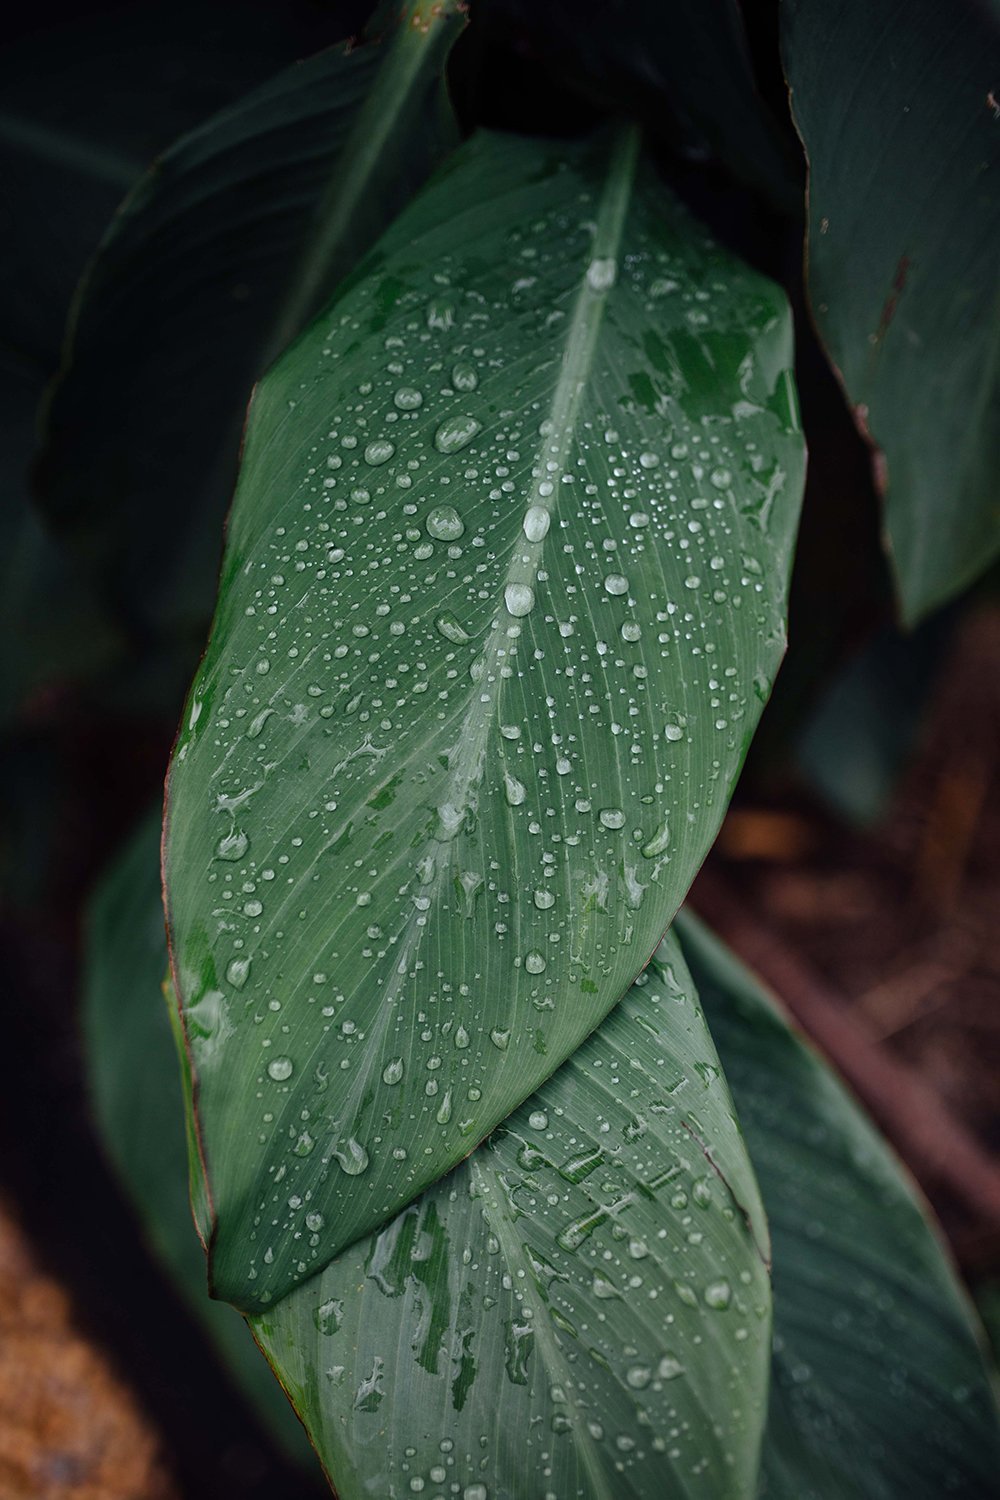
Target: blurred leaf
(132, 1072)
(580, 1309)
(502, 600)
(897, 105)
(201, 278)
(684, 68)
(879, 1387)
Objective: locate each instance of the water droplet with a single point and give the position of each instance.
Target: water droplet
(638, 1377)
(659, 843)
(329, 1316)
(444, 1109)
(445, 524)
(464, 377)
(611, 817)
(544, 900)
(538, 1119)
(615, 583)
(446, 624)
(631, 631)
(455, 433)
(649, 460)
(238, 972)
(232, 845)
(500, 1038)
(536, 523)
(379, 452)
(534, 962)
(669, 1368)
(673, 732)
(408, 398)
(352, 1156)
(514, 790)
(601, 274)
(461, 1038)
(519, 599)
(718, 1294)
(393, 1070)
(280, 1068)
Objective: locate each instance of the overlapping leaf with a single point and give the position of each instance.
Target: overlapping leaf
(897, 107)
(210, 267)
(503, 596)
(879, 1386)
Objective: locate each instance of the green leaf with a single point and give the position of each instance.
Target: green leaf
(581, 1308)
(210, 267)
(138, 1104)
(896, 106)
(503, 596)
(879, 1387)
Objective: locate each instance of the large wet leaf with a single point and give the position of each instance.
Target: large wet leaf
(581, 1309)
(879, 1387)
(503, 596)
(896, 106)
(139, 1105)
(212, 264)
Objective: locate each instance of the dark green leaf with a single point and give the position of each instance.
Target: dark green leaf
(202, 278)
(503, 596)
(879, 1387)
(897, 105)
(580, 1309)
(132, 1071)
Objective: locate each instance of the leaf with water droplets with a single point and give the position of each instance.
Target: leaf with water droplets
(592, 1280)
(458, 718)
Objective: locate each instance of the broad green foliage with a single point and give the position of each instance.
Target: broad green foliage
(213, 262)
(139, 1105)
(503, 596)
(896, 105)
(879, 1387)
(582, 1308)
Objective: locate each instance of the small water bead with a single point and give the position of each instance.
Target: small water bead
(464, 377)
(611, 817)
(408, 398)
(445, 624)
(238, 972)
(280, 1069)
(519, 599)
(379, 452)
(534, 962)
(631, 631)
(718, 1295)
(393, 1071)
(615, 583)
(455, 433)
(544, 900)
(232, 845)
(601, 274)
(536, 523)
(444, 524)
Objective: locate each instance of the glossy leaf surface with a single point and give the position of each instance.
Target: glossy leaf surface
(188, 298)
(580, 1309)
(503, 596)
(139, 1107)
(879, 1387)
(896, 106)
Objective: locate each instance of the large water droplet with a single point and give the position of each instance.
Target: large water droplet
(232, 845)
(352, 1156)
(444, 523)
(446, 624)
(718, 1294)
(659, 843)
(534, 962)
(379, 452)
(393, 1070)
(455, 432)
(280, 1068)
(611, 817)
(615, 583)
(514, 790)
(519, 599)
(601, 274)
(536, 523)
(464, 377)
(238, 972)
(329, 1316)
(408, 398)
